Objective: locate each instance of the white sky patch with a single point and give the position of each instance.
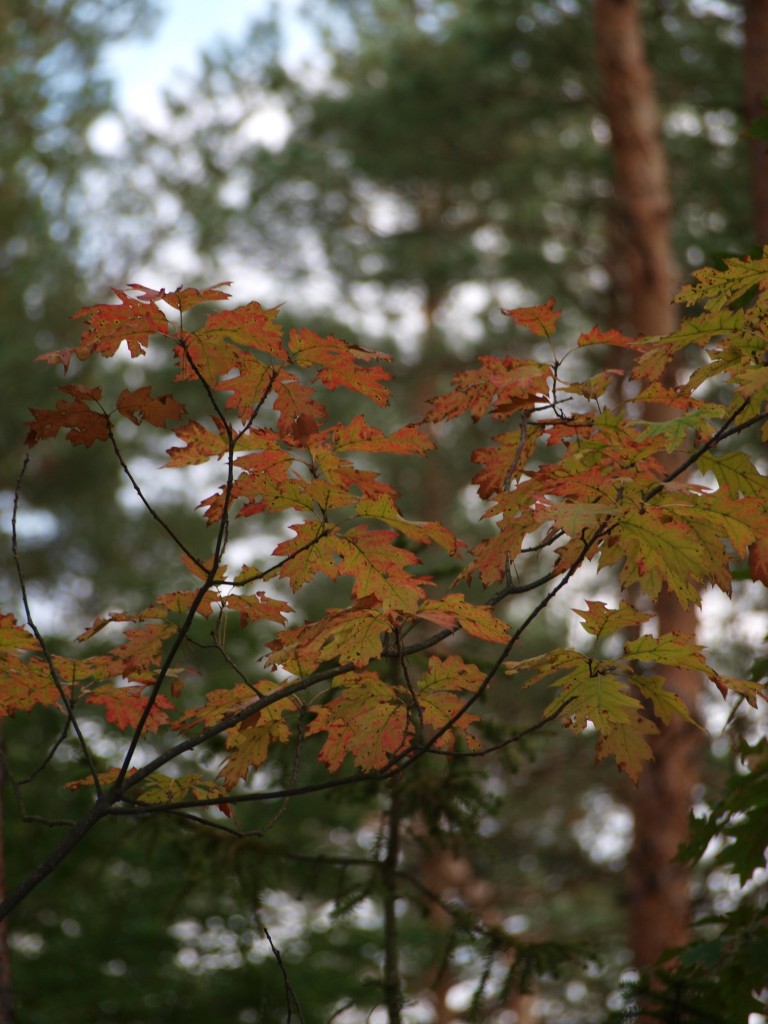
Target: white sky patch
(144, 68)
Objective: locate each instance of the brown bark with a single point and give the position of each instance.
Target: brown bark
(641, 178)
(659, 902)
(755, 97)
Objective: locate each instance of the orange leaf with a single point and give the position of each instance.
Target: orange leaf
(541, 320)
(758, 559)
(139, 405)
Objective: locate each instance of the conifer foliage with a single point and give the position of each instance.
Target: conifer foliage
(573, 476)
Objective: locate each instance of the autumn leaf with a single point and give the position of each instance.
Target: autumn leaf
(627, 743)
(131, 320)
(249, 327)
(360, 436)
(340, 364)
(600, 620)
(499, 387)
(442, 694)
(596, 336)
(182, 298)
(124, 706)
(26, 683)
(541, 320)
(758, 559)
(383, 509)
(368, 721)
(139, 405)
(200, 444)
(455, 611)
(163, 789)
(15, 637)
(379, 568)
(350, 635)
(83, 424)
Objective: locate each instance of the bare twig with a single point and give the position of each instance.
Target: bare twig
(291, 1002)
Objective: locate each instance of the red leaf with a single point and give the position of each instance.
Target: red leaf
(183, 298)
(124, 706)
(83, 425)
(612, 337)
(339, 364)
(758, 559)
(131, 321)
(139, 405)
(542, 320)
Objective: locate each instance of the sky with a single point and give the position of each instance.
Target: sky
(142, 68)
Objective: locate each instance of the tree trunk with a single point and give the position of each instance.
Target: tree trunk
(755, 98)
(659, 903)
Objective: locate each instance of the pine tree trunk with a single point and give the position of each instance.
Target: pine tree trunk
(755, 99)
(658, 888)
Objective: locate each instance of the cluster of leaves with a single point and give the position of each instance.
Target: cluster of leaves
(576, 475)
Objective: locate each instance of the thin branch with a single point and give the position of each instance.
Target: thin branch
(145, 502)
(68, 705)
(49, 864)
(393, 996)
(291, 1002)
(504, 743)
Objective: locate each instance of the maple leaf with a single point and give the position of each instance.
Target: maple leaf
(15, 637)
(300, 412)
(600, 620)
(257, 607)
(139, 405)
(758, 559)
(248, 743)
(26, 683)
(492, 556)
(200, 443)
(656, 549)
(666, 703)
(250, 327)
(454, 610)
(627, 743)
(442, 692)
(498, 387)
(310, 552)
(202, 570)
(596, 336)
(596, 386)
(132, 321)
(719, 288)
(541, 320)
(162, 789)
(221, 703)
(124, 706)
(593, 690)
(106, 779)
(736, 472)
(339, 362)
(660, 351)
(384, 509)
(353, 634)
(183, 298)
(379, 568)
(83, 424)
(369, 720)
(358, 435)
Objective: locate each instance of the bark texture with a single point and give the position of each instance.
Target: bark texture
(755, 98)
(647, 273)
